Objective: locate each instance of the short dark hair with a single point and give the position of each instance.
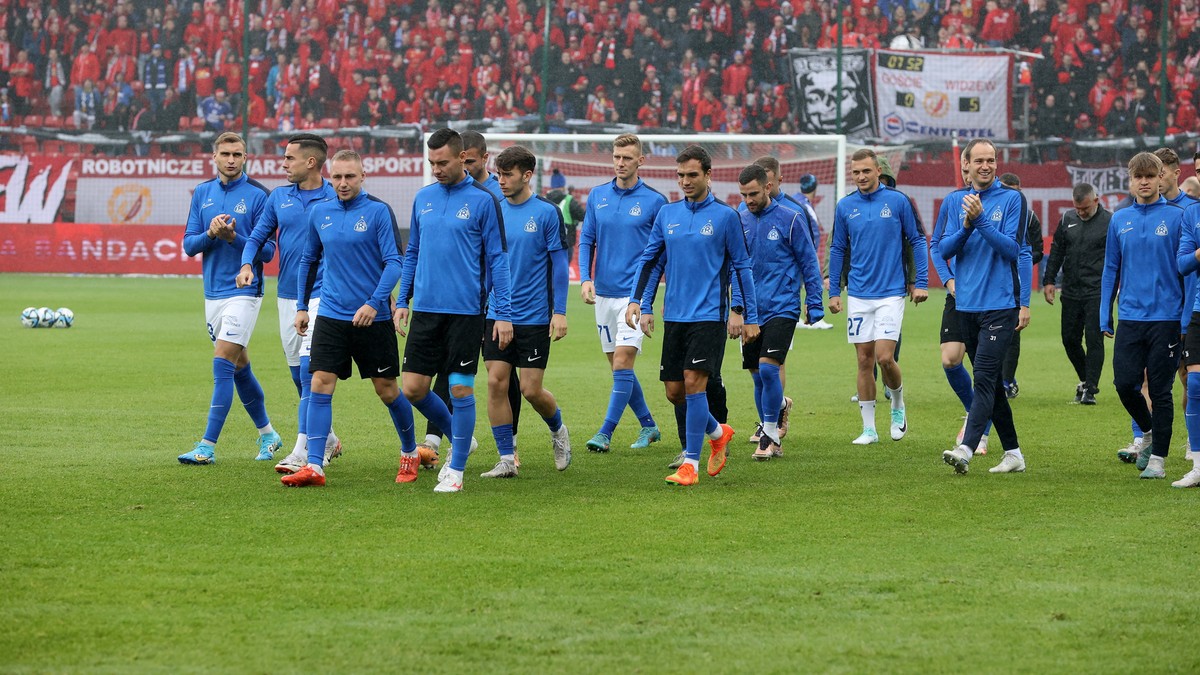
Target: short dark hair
(473, 140)
(697, 153)
(1167, 156)
(1082, 191)
(864, 153)
(313, 144)
(1010, 179)
(753, 173)
(443, 137)
(769, 163)
(516, 156)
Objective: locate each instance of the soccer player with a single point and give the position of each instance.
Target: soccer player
(221, 217)
(807, 198)
(775, 177)
(1188, 261)
(537, 255)
(985, 235)
(1078, 251)
(779, 244)
(869, 228)
(286, 214)
(1033, 237)
(456, 242)
(702, 241)
(358, 239)
(616, 226)
(1141, 272)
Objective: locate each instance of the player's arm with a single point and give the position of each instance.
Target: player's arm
(264, 230)
(198, 237)
(738, 253)
(1188, 255)
(838, 239)
(642, 292)
(1033, 236)
(956, 234)
(935, 254)
(915, 235)
(387, 236)
(560, 271)
(1008, 238)
(1054, 263)
(495, 251)
(1109, 280)
(409, 270)
(805, 255)
(587, 247)
(306, 276)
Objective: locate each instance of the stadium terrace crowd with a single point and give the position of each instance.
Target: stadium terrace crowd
(716, 65)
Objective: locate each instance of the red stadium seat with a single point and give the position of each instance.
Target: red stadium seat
(29, 145)
(197, 124)
(53, 147)
(328, 123)
(51, 122)
(34, 121)
(268, 123)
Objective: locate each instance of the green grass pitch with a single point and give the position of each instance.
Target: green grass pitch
(835, 558)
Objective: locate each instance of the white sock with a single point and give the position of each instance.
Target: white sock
(1155, 462)
(454, 476)
(897, 397)
(1196, 461)
(867, 408)
(695, 464)
(301, 443)
(331, 440)
(771, 429)
(432, 441)
(316, 469)
(716, 435)
(1015, 452)
(409, 453)
(508, 458)
(263, 431)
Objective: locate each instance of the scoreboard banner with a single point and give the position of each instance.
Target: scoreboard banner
(924, 95)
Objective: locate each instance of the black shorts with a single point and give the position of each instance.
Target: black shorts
(952, 330)
(530, 346)
(373, 348)
(691, 346)
(443, 343)
(1191, 342)
(773, 342)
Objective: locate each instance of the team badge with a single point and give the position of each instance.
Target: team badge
(361, 225)
(886, 212)
(1161, 230)
(636, 210)
(997, 215)
(773, 235)
(464, 213)
(707, 230)
(531, 225)
(241, 207)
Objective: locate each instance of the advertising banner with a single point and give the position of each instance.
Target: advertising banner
(922, 95)
(817, 102)
(32, 189)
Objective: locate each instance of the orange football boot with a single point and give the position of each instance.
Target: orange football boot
(408, 469)
(716, 460)
(304, 478)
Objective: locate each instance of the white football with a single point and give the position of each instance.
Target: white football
(46, 317)
(66, 318)
(29, 317)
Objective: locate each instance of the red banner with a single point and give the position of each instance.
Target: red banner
(78, 248)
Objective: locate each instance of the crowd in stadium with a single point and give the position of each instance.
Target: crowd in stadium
(717, 65)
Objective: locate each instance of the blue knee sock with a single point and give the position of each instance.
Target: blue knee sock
(320, 419)
(622, 391)
(960, 382)
(305, 394)
(222, 398)
(434, 409)
(1137, 431)
(772, 392)
(637, 403)
(758, 392)
(554, 421)
(296, 378)
(697, 422)
(503, 433)
(462, 426)
(251, 393)
(1192, 416)
(402, 419)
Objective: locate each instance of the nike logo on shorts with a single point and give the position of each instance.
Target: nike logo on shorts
(772, 351)
(467, 363)
(531, 359)
(383, 370)
(695, 361)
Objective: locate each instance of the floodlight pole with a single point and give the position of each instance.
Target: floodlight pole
(1162, 74)
(837, 92)
(245, 102)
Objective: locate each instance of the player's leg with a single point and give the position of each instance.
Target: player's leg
(462, 337)
(499, 371)
(1162, 359)
(889, 317)
(1191, 415)
(996, 331)
(533, 354)
(1071, 329)
(621, 344)
(434, 433)
(860, 332)
(959, 457)
(771, 349)
(1009, 376)
(378, 359)
(227, 347)
(242, 314)
(1094, 341)
(329, 361)
(293, 354)
(1129, 367)
(289, 338)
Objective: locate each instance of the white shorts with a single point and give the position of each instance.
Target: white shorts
(232, 319)
(306, 341)
(875, 319)
(610, 324)
(287, 331)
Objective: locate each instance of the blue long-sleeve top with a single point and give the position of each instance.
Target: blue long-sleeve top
(242, 199)
(1191, 287)
(704, 249)
(358, 244)
(802, 205)
(1141, 266)
(993, 264)
(456, 245)
(537, 261)
(616, 227)
(286, 214)
(944, 267)
(874, 226)
(783, 258)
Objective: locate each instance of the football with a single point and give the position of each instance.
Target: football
(29, 317)
(46, 317)
(66, 318)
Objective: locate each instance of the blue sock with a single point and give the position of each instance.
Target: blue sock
(462, 425)
(434, 409)
(555, 420)
(402, 419)
(222, 398)
(756, 375)
(960, 382)
(296, 378)
(1137, 432)
(772, 392)
(251, 393)
(988, 429)
(637, 403)
(320, 419)
(698, 418)
(1192, 416)
(305, 394)
(503, 433)
(622, 393)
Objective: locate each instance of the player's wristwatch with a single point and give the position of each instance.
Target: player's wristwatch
(739, 310)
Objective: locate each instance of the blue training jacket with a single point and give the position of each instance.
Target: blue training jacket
(286, 212)
(1141, 266)
(358, 242)
(783, 258)
(874, 226)
(993, 265)
(804, 207)
(616, 227)
(705, 249)
(944, 267)
(456, 238)
(242, 199)
(1190, 286)
(537, 261)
